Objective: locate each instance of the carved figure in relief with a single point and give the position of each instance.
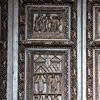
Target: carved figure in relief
(58, 81)
(40, 22)
(55, 97)
(35, 97)
(44, 29)
(52, 84)
(56, 23)
(41, 98)
(36, 25)
(48, 26)
(52, 27)
(47, 23)
(46, 97)
(40, 84)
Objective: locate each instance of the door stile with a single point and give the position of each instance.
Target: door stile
(79, 49)
(84, 41)
(12, 65)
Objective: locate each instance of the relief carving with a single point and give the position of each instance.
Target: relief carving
(48, 81)
(47, 23)
(96, 22)
(96, 74)
(48, 10)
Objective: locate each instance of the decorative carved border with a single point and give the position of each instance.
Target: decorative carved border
(92, 45)
(73, 72)
(64, 11)
(95, 23)
(73, 28)
(96, 74)
(48, 44)
(46, 1)
(66, 72)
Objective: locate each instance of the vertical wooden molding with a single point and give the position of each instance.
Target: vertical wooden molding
(84, 24)
(12, 65)
(10, 52)
(15, 51)
(79, 49)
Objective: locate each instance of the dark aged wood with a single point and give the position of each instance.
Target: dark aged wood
(0, 2)
(93, 50)
(46, 1)
(60, 12)
(37, 72)
(47, 72)
(46, 22)
(3, 49)
(1, 43)
(48, 43)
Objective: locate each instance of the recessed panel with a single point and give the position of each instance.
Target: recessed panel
(48, 22)
(96, 23)
(48, 74)
(96, 74)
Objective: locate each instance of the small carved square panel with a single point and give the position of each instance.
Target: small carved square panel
(47, 72)
(96, 23)
(47, 22)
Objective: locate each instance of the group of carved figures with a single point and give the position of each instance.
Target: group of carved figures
(55, 97)
(53, 84)
(47, 23)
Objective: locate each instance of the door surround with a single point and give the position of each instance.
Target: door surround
(12, 65)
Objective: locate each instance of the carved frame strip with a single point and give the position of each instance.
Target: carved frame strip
(12, 54)
(27, 50)
(51, 6)
(81, 49)
(84, 53)
(96, 53)
(94, 23)
(12, 46)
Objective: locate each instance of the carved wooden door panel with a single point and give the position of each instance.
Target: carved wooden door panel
(58, 49)
(47, 50)
(93, 50)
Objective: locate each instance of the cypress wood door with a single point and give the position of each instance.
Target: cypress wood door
(53, 50)
(47, 50)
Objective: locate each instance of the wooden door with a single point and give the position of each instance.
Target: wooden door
(47, 50)
(93, 50)
(52, 50)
